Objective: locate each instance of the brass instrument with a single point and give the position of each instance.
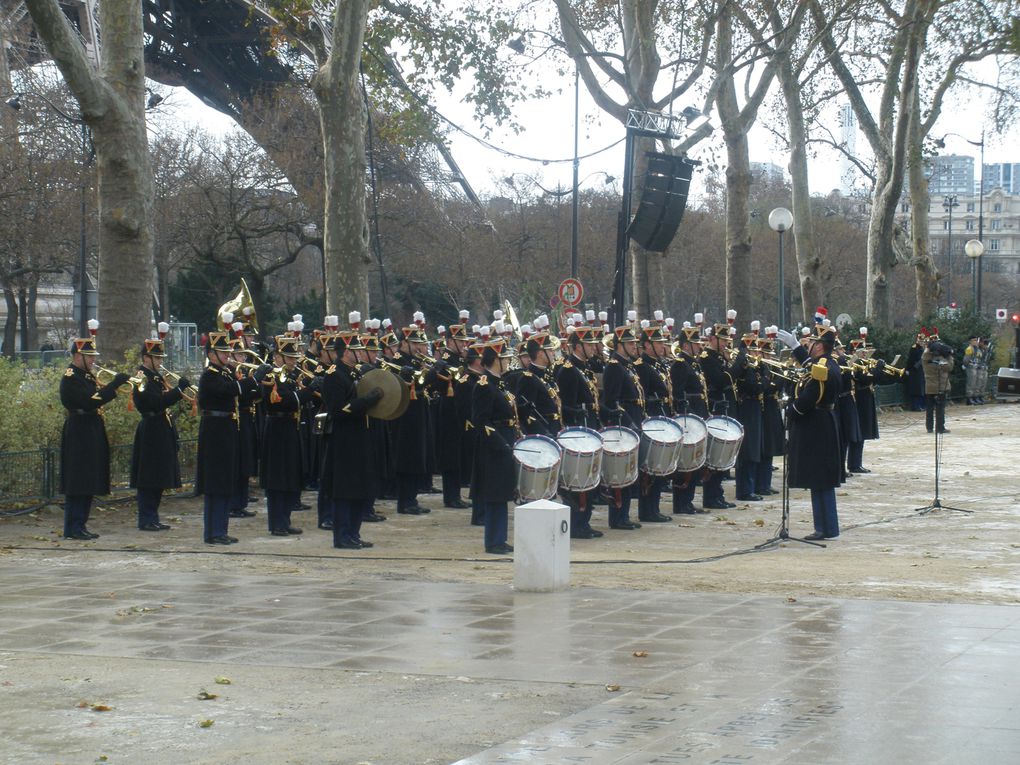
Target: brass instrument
(250, 352)
(868, 366)
(788, 370)
(105, 376)
(237, 306)
(190, 393)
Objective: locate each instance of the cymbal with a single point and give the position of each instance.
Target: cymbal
(396, 394)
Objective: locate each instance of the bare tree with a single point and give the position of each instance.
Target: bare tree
(112, 102)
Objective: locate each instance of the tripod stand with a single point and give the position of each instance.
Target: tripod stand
(936, 503)
(783, 535)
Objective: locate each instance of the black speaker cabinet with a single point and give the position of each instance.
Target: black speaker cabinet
(663, 200)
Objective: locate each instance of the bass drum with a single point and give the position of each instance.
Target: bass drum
(694, 445)
(620, 451)
(581, 469)
(660, 445)
(538, 467)
(724, 437)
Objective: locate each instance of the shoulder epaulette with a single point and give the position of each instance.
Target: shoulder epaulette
(527, 373)
(483, 380)
(613, 361)
(638, 361)
(69, 372)
(567, 365)
(331, 370)
(703, 355)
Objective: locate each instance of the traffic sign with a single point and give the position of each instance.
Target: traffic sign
(570, 292)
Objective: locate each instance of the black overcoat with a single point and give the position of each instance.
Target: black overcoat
(154, 463)
(463, 393)
(750, 414)
(441, 384)
(690, 393)
(281, 465)
(348, 469)
(84, 448)
(411, 431)
(538, 401)
(579, 395)
(218, 464)
(772, 416)
(657, 386)
(814, 453)
(915, 372)
(718, 382)
(849, 421)
(495, 422)
(623, 400)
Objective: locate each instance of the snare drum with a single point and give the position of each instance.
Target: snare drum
(538, 467)
(581, 469)
(724, 437)
(693, 446)
(620, 448)
(660, 445)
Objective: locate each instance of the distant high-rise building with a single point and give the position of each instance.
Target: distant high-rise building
(1001, 175)
(848, 132)
(951, 174)
(767, 171)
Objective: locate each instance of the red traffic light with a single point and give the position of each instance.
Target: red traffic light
(952, 305)
(1016, 318)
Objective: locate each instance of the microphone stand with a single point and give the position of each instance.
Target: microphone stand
(783, 535)
(936, 503)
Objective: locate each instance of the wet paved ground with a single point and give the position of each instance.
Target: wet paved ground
(726, 678)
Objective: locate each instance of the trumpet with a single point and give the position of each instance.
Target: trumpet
(190, 393)
(105, 376)
(785, 369)
(868, 366)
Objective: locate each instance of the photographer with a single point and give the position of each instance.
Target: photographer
(937, 362)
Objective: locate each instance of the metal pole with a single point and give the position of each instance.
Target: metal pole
(981, 226)
(620, 288)
(83, 280)
(577, 163)
(782, 298)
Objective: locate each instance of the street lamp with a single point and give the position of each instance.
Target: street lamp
(975, 249)
(780, 220)
(948, 204)
(941, 143)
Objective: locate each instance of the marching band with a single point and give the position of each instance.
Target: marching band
(593, 414)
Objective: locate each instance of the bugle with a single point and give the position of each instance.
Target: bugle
(190, 393)
(105, 376)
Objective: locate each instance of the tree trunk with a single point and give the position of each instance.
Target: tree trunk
(343, 117)
(881, 254)
(112, 103)
(163, 290)
(23, 318)
(10, 321)
(808, 261)
(32, 323)
(926, 274)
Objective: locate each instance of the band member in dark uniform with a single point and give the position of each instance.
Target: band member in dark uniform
(411, 431)
(84, 447)
(814, 447)
(658, 394)
(368, 359)
(846, 404)
(441, 381)
(281, 473)
(915, 372)
(772, 417)
(464, 394)
(750, 392)
(247, 418)
(323, 503)
(579, 397)
(154, 463)
(218, 465)
(496, 425)
(690, 396)
(719, 382)
(348, 476)
(538, 399)
(623, 403)
(867, 410)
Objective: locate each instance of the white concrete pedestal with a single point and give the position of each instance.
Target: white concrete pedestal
(541, 547)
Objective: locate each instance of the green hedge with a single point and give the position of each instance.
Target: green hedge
(31, 416)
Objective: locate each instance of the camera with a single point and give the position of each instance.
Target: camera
(938, 348)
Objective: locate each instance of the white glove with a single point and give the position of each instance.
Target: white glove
(787, 339)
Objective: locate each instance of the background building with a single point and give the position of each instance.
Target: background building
(951, 174)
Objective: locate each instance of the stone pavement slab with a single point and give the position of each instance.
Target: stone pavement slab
(709, 678)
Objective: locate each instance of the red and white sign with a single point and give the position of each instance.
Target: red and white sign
(570, 292)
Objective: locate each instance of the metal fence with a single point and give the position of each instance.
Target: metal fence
(34, 476)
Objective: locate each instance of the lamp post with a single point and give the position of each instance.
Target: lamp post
(780, 220)
(577, 163)
(975, 248)
(948, 204)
